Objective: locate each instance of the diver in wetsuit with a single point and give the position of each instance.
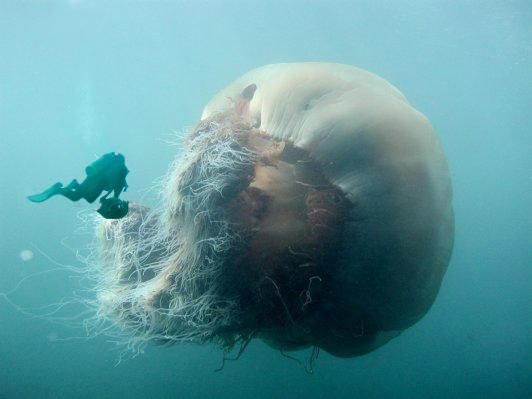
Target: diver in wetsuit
(107, 173)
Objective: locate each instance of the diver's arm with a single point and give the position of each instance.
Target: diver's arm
(117, 192)
(106, 195)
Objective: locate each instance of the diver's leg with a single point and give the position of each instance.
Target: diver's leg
(73, 191)
(92, 188)
(50, 192)
(92, 195)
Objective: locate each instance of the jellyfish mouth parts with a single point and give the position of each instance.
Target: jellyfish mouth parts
(244, 245)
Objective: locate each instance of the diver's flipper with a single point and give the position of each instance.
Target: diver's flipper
(53, 190)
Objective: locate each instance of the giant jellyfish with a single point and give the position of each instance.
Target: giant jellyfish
(309, 207)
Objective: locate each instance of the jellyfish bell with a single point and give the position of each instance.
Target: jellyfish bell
(310, 206)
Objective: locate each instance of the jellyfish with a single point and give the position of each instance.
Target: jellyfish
(311, 206)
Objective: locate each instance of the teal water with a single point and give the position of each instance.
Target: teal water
(80, 78)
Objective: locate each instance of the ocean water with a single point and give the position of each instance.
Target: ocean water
(80, 78)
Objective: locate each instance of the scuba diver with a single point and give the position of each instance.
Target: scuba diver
(107, 173)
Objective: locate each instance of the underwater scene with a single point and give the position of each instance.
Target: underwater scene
(251, 199)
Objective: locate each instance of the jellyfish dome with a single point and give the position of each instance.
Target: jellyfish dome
(309, 207)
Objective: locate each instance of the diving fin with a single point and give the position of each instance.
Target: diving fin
(53, 190)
